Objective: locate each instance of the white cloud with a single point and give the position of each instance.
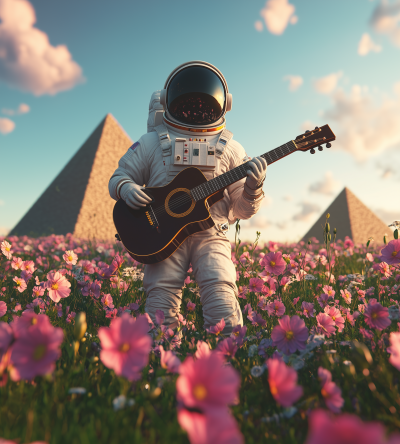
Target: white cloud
(294, 82)
(258, 25)
(27, 59)
(259, 222)
(22, 109)
(396, 88)
(307, 211)
(328, 186)
(6, 125)
(367, 45)
(288, 198)
(4, 231)
(386, 20)
(388, 216)
(325, 85)
(267, 201)
(364, 125)
(277, 14)
(307, 125)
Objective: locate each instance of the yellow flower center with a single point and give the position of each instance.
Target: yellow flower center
(272, 263)
(39, 352)
(394, 253)
(333, 318)
(199, 392)
(34, 321)
(7, 249)
(324, 393)
(289, 335)
(125, 347)
(54, 286)
(70, 258)
(18, 283)
(374, 315)
(273, 388)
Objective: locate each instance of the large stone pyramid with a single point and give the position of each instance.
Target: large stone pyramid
(77, 201)
(351, 218)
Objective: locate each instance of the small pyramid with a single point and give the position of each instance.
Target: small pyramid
(351, 218)
(77, 201)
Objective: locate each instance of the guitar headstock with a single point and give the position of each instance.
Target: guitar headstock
(315, 138)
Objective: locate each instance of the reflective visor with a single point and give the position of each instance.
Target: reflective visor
(196, 96)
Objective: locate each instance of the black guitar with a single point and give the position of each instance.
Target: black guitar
(181, 207)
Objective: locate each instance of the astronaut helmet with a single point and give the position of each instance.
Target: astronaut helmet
(196, 95)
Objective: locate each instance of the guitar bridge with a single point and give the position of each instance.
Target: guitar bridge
(151, 217)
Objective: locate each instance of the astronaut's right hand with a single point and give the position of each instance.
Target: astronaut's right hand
(134, 195)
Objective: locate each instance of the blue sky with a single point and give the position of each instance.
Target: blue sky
(289, 64)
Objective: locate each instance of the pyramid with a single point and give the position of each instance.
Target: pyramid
(351, 218)
(77, 201)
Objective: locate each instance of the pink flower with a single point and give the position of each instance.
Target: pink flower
(107, 300)
(323, 300)
(346, 295)
(327, 289)
(126, 345)
(384, 268)
(256, 285)
(238, 334)
(326, 325)
(274, 263)
(36, 350)
(206, 383)
(283, 382)
(214, 426)
(70, 257)
(290, 335)
(21, 284)
(37, 291)
(17, 263)
(169, 360)
(87, 267)
(29, 319)
(218, 328)
(28, 266)
(336, 316)
(58, 286)
(6, 249)
(256, 319)
(330, 391)
(308, 309)
(160, 317)
(394, 349)
(227, 348)
(391, 253)
(203, 350)
(276, 308)
(377, 316)
(5, 338)
(343, 429)
(191, 306)
(91, 289)
(3, 308)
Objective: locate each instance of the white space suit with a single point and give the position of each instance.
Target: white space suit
(191, 108)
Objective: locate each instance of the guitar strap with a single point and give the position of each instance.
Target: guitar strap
(155, 123)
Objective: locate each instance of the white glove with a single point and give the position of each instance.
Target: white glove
(134, 196)
(255, 174)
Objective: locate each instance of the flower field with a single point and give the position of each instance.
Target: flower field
(317, 360)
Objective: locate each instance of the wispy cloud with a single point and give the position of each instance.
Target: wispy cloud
(294, 82)
(367, 45)
(6, 125)
(386, 20)
(327, 84)
(22, 109)
(306, 212)
(28, 61)
(327, 186)
(277, 15)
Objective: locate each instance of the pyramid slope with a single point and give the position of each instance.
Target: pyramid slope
(351, 218)
(339, 219)
(59, 208)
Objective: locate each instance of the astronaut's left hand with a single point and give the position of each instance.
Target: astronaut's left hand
(256, 172)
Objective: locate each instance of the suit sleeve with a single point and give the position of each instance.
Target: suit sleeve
(132, 167)
(240, 207)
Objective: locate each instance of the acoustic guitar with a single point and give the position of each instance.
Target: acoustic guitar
(181, 208)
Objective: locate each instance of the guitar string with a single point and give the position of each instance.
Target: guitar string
(176, 203)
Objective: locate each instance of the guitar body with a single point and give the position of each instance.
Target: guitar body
(154, 232)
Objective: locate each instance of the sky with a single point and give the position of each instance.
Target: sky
(290, 65)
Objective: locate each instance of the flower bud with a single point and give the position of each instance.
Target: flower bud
(327, 227)
(329, 237)
(334, 231)
(385, 239)
(328, 216)
(370, 239)
(396, 233)
(80, 325)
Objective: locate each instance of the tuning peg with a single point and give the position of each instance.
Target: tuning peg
(320, 148)
(328, 145)
(312, 151)
(316, 127)
(308, 131)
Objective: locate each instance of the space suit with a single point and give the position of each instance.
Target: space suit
(186, 127)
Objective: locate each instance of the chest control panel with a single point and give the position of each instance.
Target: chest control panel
(196, 152)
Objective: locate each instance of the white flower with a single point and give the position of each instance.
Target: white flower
(394, 312)
(100, 249)
(257, 371)
(331, 352)
(77, 391)
(395, 224)
(121, 402)
(310, 277)
(28, 248)
(253, 350)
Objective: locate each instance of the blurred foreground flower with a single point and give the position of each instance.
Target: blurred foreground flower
(283, 382)
(394, 349)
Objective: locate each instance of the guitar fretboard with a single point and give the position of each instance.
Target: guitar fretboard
(224, 180)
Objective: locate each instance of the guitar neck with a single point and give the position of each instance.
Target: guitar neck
(224, 180)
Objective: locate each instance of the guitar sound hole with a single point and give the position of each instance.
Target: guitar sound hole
(179, 202)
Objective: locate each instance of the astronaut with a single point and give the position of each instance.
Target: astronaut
(191, 109)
